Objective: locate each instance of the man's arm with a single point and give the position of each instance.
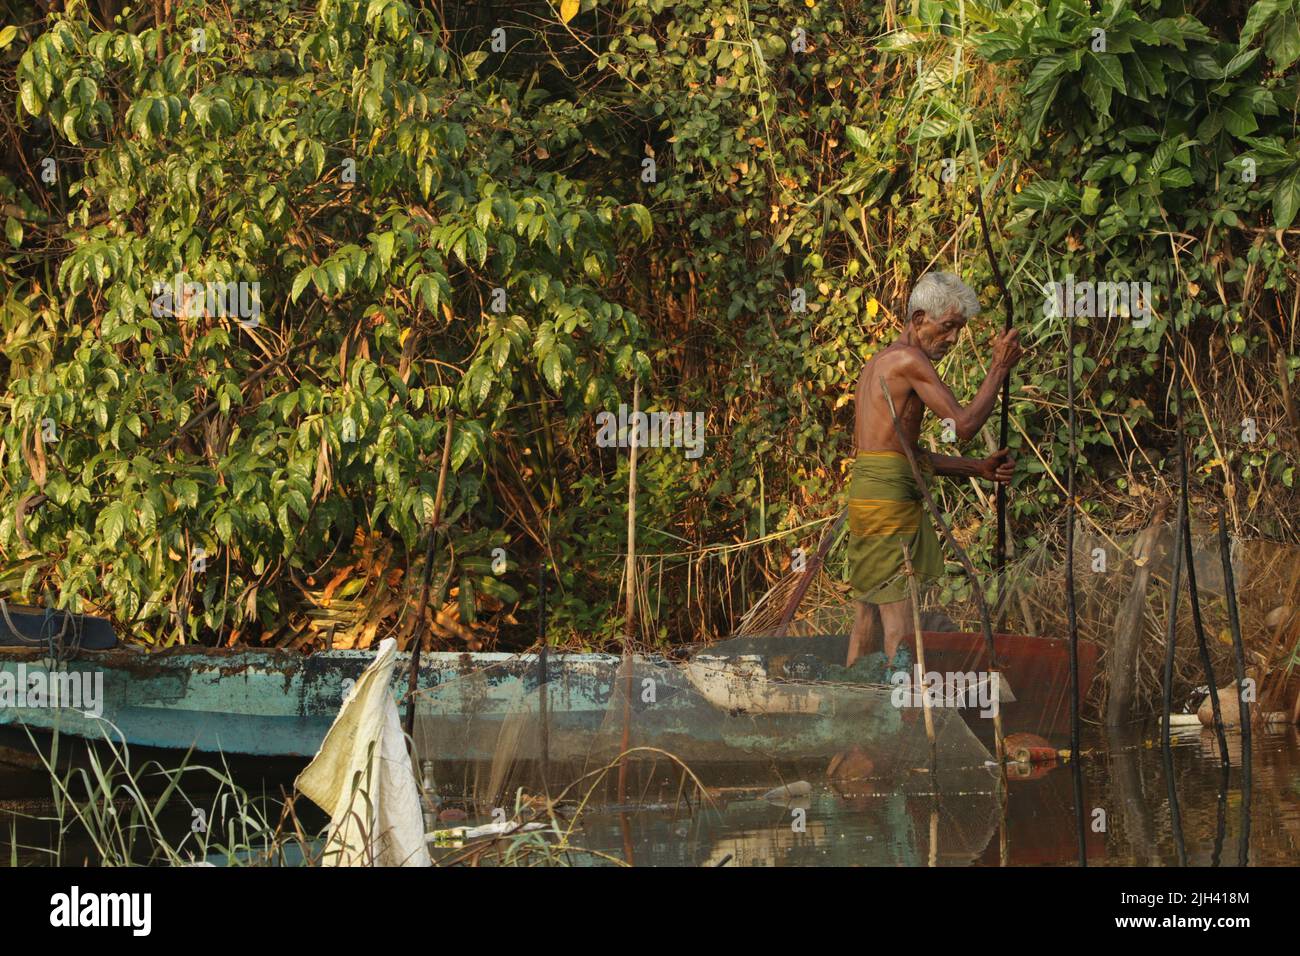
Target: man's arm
(997, 467)
(925, 381)
(950, 466)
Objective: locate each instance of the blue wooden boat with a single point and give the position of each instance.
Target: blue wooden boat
(707, 709)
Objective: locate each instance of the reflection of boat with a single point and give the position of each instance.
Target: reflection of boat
(1037, 670)
(895, 828)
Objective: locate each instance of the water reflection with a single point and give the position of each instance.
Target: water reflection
(1130, 813)
(1130, 821)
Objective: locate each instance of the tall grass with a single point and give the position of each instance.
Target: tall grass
(109, 810)
(102, 813)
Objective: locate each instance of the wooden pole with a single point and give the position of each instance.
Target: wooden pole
(1243, 705)
(1171, 630)
(434, 522)
(1071, 509)
(1071, 609)
(920, 657)
(976, 586)
(629, 619)
(1171, 641)
(543, 675)
(796, 598)
(1004, 429)
(1189, 556)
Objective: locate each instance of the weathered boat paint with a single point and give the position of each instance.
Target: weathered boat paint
(272, 703)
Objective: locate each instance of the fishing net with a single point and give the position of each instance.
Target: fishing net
(490, 727)
(1122, 580)
(828, 827)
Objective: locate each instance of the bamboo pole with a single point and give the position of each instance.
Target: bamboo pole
(976, 586)
(1171, 632)
(1071, 609)
(1190, 557)
(1004, 429)
(1171, 640)
(543, 674)
(435, 521)
(1243, 705)
(629, 619)
(934, 836)
(920, 655)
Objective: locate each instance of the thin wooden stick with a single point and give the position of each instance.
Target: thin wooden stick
(629, 620)
(796, 598)
(1171, 632)
(976, 586)
(1243, 705)
(543, 674)
(1004, 433)
(1193, 591)
(920, 655)
(435, 521)
(1189, 556)
(1071, 610)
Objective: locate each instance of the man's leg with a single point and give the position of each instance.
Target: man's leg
(896, 619)
(864, 631)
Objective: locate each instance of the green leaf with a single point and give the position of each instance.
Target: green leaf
(857, 138)
(1283, 42)
(462, 446)
(476, 245)
(1088, 205)
(641, 215)
(1108, 70)
(1239, 117)
(384, 246)
(1261, 11)
(1286, 201)
(31, 98)
(552, 370)
(1046, 70)
(933, 128)
(996, 46)
(114, 523)
(300, 282)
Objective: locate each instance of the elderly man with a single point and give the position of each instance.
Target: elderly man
(885, 505)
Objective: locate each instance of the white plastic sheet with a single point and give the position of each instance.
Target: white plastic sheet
(362, 777)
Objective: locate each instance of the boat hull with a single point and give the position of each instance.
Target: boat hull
(1036, 670)
(471, 706)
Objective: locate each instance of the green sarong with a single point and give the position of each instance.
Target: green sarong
(885, 510)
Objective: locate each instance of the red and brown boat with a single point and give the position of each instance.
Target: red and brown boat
(1036, 670)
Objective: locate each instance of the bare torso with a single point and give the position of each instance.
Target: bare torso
(873, 428)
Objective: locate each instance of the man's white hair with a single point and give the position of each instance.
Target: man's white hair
(938, 293)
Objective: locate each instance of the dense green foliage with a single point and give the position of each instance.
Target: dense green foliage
(656, 188)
